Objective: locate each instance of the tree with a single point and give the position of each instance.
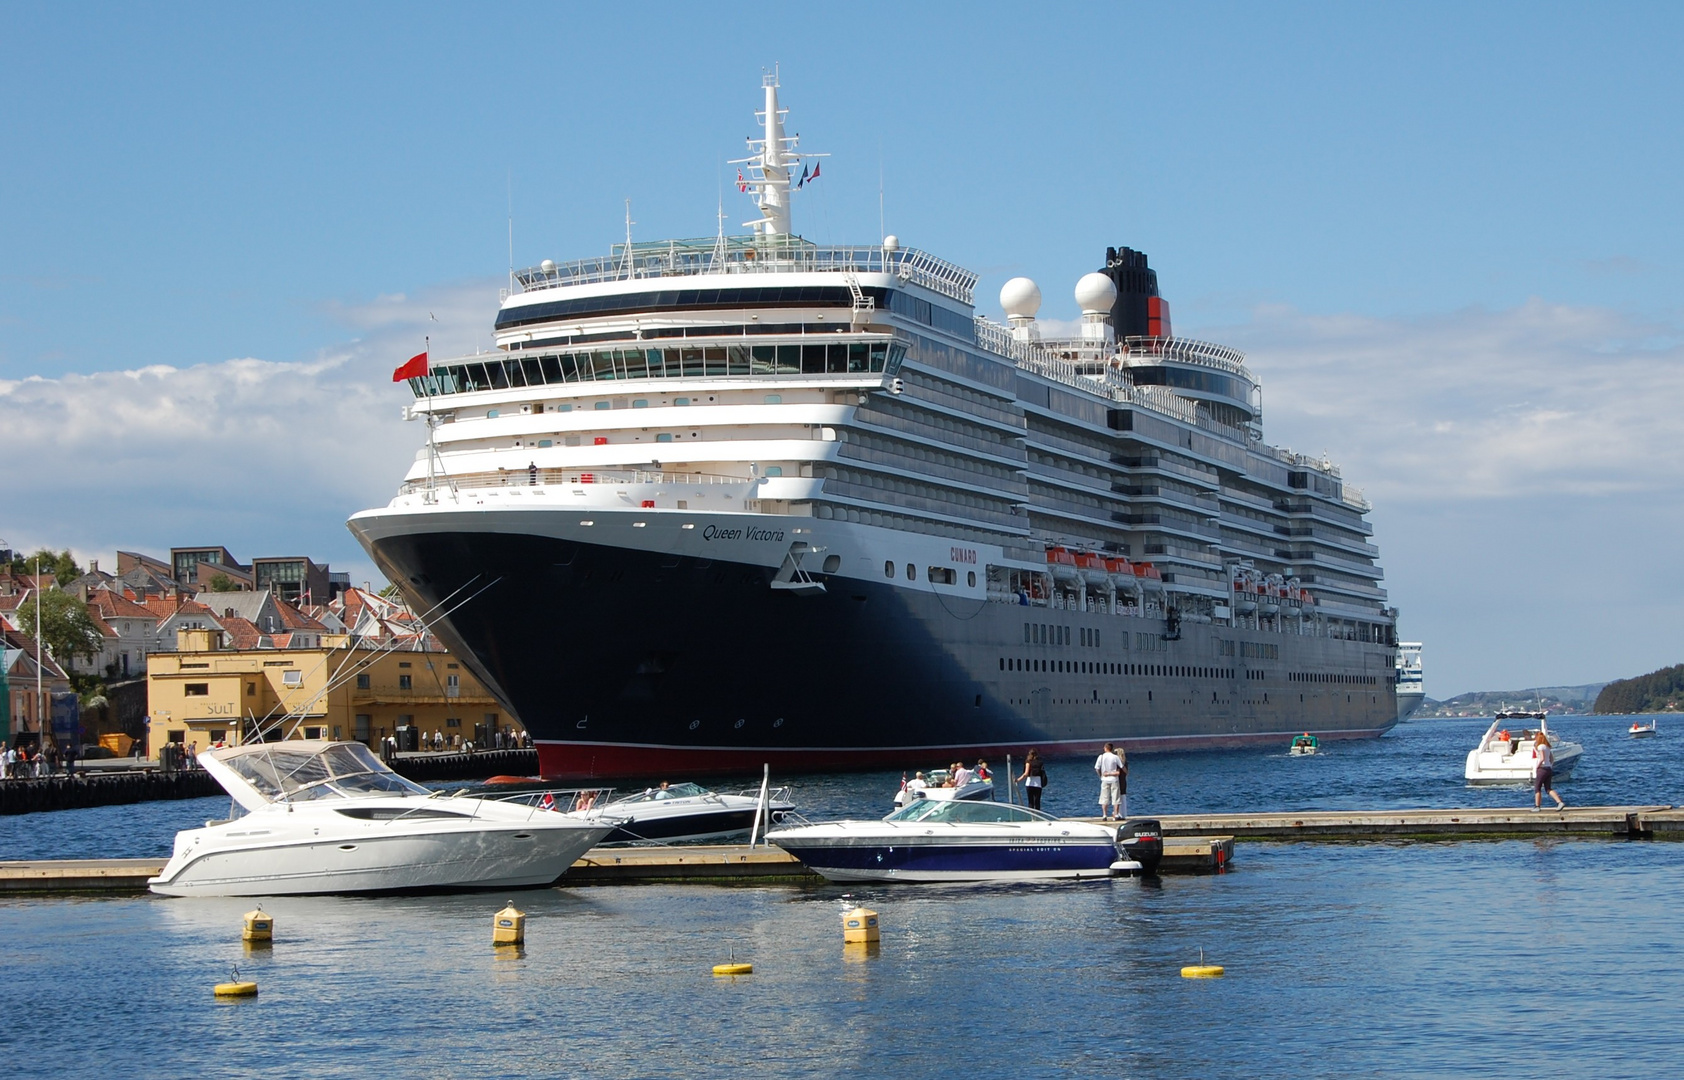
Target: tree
(61, 564)
(66, 629)
(222, 583)
(391, 592)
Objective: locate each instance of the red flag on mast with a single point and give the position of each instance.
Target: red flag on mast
(414, 368)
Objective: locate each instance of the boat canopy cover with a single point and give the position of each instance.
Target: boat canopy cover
(294, 771)
(955, 811)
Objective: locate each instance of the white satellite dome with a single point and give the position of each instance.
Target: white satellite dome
(1021, 298)
(891, 242)
(547, 266)
(1095, 293)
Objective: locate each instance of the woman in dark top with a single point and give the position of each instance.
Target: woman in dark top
(1034, 779)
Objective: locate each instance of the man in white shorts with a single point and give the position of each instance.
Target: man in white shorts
(1110, 769)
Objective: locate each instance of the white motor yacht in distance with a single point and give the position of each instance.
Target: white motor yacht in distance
(330, 817)
(686, 812)
(1507, 757)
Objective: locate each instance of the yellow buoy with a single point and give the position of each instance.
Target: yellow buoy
(1202, 970)
(509, 926)
(733, 969)
(259, 927)
(860, 925)
(236, 986)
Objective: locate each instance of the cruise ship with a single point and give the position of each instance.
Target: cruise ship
(749, 499)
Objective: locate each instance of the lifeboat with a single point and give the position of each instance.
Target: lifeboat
(1093, 569)
(1245, 601)
(1063, 566)
(1122, 576)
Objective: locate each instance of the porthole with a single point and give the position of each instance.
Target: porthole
(779, 722)
(740, 722)
(889, 569)
(694, 724)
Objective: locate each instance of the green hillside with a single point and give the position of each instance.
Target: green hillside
(1658, 691)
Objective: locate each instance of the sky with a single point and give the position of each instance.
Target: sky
(1447, 237)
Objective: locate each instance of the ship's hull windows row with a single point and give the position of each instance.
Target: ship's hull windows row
(1102, 667)
(613, 365)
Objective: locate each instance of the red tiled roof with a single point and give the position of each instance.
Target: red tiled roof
(242, 633)
(111, 606)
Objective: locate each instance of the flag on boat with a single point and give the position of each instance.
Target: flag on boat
(548, 802)
(742, 185)
(815, 175)
(414, 368)
(803, 181)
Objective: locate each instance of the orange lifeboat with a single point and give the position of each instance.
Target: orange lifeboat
(1063, 565)
(1093, 568)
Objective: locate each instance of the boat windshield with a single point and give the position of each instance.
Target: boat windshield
(337, 771)
(966, 811)
(672, 791)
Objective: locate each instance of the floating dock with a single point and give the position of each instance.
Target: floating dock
(732, 864)
(1506, 823)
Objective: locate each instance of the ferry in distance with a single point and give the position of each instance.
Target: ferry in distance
(750, 499)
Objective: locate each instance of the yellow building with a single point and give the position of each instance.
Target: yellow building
(205, 693)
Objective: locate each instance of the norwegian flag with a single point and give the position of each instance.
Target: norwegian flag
(742, 185)
(548, 802)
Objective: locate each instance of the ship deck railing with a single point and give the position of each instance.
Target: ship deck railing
(752, 255)
(520, 478)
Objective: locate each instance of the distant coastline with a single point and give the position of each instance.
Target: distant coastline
(1558, 700)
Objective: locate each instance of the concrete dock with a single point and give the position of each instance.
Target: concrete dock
(729, 864)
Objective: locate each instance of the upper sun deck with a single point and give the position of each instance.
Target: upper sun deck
(732, 255)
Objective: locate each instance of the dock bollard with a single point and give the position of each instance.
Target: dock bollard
(509, 926)
(259, 928)
(859, 926)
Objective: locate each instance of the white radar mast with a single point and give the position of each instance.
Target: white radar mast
(773, 158)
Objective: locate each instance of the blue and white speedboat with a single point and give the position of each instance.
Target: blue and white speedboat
(956, 840)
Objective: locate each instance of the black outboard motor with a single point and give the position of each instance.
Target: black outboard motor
(1142, 840)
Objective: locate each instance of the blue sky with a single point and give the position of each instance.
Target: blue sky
(1439, 230)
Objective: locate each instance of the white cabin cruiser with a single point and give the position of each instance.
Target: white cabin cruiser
(1509, 757)
(330, 817)
(679, 812)
(957, 840)
(1640, 730)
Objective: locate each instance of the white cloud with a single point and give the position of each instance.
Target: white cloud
(1537, 399)
(265, 457)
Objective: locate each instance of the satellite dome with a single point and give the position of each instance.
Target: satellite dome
(1021, 298)
(1095, 293)
(547, 266)
(891, 242)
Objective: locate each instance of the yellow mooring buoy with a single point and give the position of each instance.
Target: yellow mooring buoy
(859, 926)
(259, 928)
(1202, 970)
(732, 967)
(236, 987)
(509, 926)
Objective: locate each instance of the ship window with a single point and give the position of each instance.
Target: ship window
(774, 399)
(665, 436)
(774, 470)
(640, 403)
(859, 357)
(832, 563)
(812, 359)
(604, 405)
(911, 572)
(889, 572)
(561, 408)
(941, 575)
(970, 578)
(681, 401)
(491, 414)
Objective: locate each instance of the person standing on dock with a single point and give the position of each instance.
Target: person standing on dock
(1123, 784)
(1543, 773)
(1034, 779)
(1110, 769)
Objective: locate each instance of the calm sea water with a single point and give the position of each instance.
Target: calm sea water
(1548, 958)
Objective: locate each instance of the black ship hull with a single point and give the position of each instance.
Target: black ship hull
(626, 662)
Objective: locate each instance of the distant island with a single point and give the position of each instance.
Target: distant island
(1559, 700)
(1658, 691)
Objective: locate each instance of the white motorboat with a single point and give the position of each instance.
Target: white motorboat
(1304, 745)
(959, 840)
(330, 817)
(1640, 730)
(1506, 756)
(680, 812)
